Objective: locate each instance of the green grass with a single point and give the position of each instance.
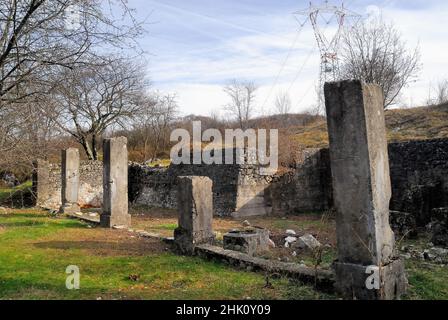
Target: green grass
(428, 282)
(7, 192)
(160, 163)
(32, 266)
(35, 250)
(167, 226)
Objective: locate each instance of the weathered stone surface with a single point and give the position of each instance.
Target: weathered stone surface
(323, 279)
(195, 209)
(351, 281)
(361, 186)
(403, 224)
(439, 227)
(238, 190)
(250, 241)
(419, 173)
(115, 183)
(70, 180)
(307, 242)
(47, 184)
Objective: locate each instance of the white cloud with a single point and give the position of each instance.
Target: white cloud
(199, 73)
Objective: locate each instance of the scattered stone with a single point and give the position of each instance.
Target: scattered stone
(93, 214)
(146, 234)
(290, 232)
(119, 227)
(290, 239)
(406, 256)
(294, 254)
(246, 223)
(308, 242)
(3, 210)
(271, 243)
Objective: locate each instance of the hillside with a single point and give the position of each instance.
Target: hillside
(402, 125)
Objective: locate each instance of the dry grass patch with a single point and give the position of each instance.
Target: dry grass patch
(102, 242)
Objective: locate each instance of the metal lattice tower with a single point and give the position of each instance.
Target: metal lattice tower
(321, 17)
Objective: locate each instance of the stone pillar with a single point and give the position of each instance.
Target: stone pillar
(70, 180)
(362, 191)
(41, 181)
(195, 208)
(115, 183)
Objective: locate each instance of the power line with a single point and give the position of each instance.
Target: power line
(284, 63)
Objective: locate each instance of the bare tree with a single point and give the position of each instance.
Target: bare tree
(374, 52)
(242, 105)
(92, 98)
(283, 103)
(154, 123)
(37, 35)
(441, 94)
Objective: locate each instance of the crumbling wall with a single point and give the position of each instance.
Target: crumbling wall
(237, 189)
(47, 184)
(306, 188)
(419, 173)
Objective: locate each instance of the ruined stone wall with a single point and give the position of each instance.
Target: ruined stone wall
(419, 174)
(47, 184)
(418, 171)
(307, 188)
(237, 189)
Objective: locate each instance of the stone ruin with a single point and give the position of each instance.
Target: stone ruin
(362, 191)
(115, 183)
(195, 209)
(353, 176)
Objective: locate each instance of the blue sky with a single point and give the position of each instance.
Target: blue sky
(197, 46)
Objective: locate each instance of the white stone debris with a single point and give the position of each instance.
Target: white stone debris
(308, 242)
(290, 232)
(289, 241)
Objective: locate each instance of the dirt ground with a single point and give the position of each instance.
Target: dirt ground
(104, 242)
(320, 225)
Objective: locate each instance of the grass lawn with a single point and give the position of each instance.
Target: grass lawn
(35, 250)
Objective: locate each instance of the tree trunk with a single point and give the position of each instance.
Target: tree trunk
(86, 148)
(94, 148)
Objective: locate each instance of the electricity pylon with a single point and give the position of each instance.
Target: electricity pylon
(321, 17)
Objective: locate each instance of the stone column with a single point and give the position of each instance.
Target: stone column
(195, 209)
(362, 191)
(41, 182)
(69, 180)
(115, 183)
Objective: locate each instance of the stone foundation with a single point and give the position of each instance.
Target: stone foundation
(351, 281)
(250, 242)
